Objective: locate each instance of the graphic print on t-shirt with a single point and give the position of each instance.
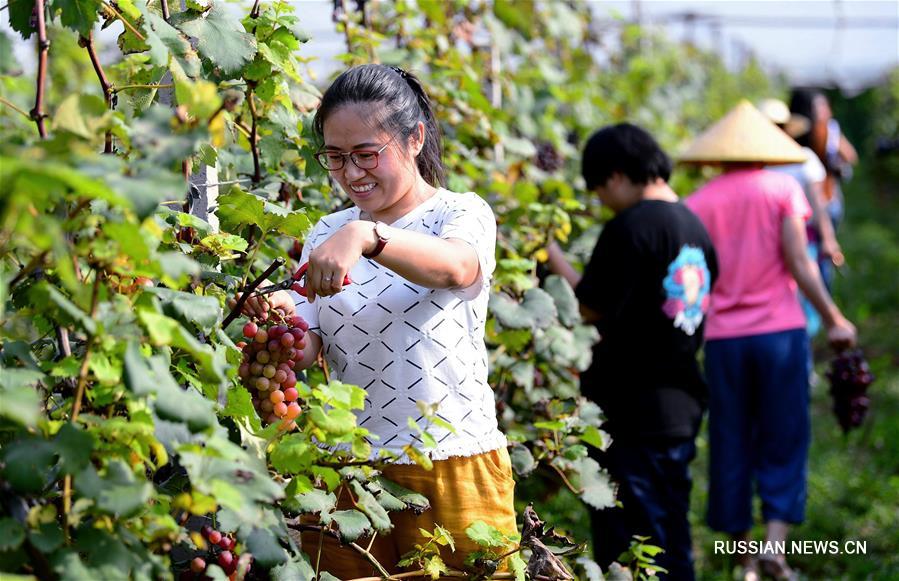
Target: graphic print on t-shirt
(687, 289)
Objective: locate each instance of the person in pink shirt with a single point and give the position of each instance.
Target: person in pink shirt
(756, 354)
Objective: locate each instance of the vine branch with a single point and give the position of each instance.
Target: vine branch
(88, 43)
(28, 268)
(278, 263)
(295, 523)
(79, 395)
(37, 114)
(165, 10)
(254, 146)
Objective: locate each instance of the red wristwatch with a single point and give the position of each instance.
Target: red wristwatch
(383, 237)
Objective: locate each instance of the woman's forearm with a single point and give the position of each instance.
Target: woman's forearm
(805, 271)
(425, 260)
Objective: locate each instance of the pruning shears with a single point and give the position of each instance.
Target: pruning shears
(292, 283)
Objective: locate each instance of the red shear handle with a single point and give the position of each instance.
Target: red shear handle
(301, 272)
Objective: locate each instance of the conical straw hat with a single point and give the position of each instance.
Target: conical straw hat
(743, 135)
(777, 111)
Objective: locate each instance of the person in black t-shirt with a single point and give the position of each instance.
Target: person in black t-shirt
(646, 288)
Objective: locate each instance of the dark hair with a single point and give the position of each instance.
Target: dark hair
(625, 149)
(405, 104)
(802, 102)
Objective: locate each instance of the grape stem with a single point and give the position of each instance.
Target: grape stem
(235, 312)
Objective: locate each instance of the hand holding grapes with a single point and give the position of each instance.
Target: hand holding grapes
(259, 306)
(841, 334)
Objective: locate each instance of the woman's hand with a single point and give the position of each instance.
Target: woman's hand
(259, 306)
(841, 334)
(831, 248)
(330, 262)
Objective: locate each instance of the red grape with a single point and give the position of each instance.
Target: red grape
(226, 559)
(267, 369)
(292, 411)
(198, 565)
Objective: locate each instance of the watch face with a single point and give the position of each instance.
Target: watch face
(381, 231)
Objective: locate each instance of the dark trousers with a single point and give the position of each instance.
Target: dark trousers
(654, 488)
(759, 428)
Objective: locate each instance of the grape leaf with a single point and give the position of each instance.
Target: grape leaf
(19, 400)
(485, 535)
(522, 460)
(58, 305)
(238, 209)
(11, 534)
(418, 503)
(220, 38)
(20, 17)
(598, 490)
(336, 422)
(265, 548)
(79, 15)
(299, 570)
(74, 446)
(372, 508)
(26, 463)
(200, 311)
(315, 501)
(292, 455)
(165, 40)
(117, 492)
(351, 524)
(564, 298)
(47, 538)
(341, 395)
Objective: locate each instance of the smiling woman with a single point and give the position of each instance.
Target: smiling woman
(410, 327)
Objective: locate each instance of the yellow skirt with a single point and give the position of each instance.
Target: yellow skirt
(461, 490)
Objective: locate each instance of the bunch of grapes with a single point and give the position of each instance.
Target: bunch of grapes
(547, 158)
(221, 552)
(270, 356)
(850, 377)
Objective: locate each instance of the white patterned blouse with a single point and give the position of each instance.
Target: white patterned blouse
(403, 342)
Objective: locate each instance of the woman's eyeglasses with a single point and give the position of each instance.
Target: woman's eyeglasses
(363, 158)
